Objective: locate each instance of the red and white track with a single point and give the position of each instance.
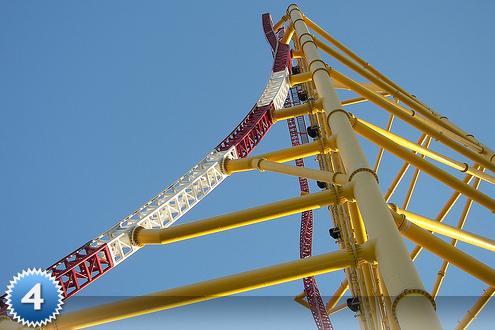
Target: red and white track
(93, 259)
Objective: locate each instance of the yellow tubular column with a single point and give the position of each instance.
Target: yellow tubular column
(237, 219)
(394, 263)
(207, 290)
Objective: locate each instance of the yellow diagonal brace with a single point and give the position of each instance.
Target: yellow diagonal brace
(444, 250)
(409, 117)
(237, 219)
(476, 309)
(207, 290)
(452, 232)
(425, 166)
(460, 166)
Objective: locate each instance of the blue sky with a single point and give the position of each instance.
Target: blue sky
(103, 104)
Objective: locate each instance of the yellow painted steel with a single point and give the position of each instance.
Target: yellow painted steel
(310, 107)
(289, 32)
(297, 54)
(414, 180)
(425, 166)
(282, 156)
(296, 79)
(409, 117)
(339, 293)
(462, 220)
(304, 172)
(379, 156)
(400, 175)
(463, 167)
(443, 212)
(394, 263)
(477, 307)
(452, 232)
(444, 250)
(238, 219)
(280, 23)
(384, 83)
(207, 290)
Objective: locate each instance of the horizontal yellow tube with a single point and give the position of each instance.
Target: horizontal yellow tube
(207, 290)
(447, 230)
(425, 166)
(304, 172)
(444, 250)
(237, 219)
(304, 150)
(295, 111)
(296, 79)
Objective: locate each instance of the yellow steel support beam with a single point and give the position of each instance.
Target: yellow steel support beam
(411, 101)
(289, 32)
(304, 172)
(280, 23)
(297, 54)
(394, 263)
(296, 79)
(305, 150)
(409, 117)
(444, 250)
(379, 156)
(400, 175)
(310, 107)
(463, 167)
(462, 220)
(476, 309)
(142, 236)
(452, 232)
(443, 212)
(339, 293)
(425, 166)
(414, 180)
(207, 290)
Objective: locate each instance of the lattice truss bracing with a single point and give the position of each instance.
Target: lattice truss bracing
(370, 209)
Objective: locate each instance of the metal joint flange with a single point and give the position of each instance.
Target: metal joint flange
(364, 169)
(412, 292)
(133, 235)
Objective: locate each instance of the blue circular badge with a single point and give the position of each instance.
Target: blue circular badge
(34, 298)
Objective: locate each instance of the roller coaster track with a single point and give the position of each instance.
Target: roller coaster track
(95, 258)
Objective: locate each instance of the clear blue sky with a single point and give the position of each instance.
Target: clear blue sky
(104, 103)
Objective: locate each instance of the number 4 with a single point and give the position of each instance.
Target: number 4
(34, 297)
